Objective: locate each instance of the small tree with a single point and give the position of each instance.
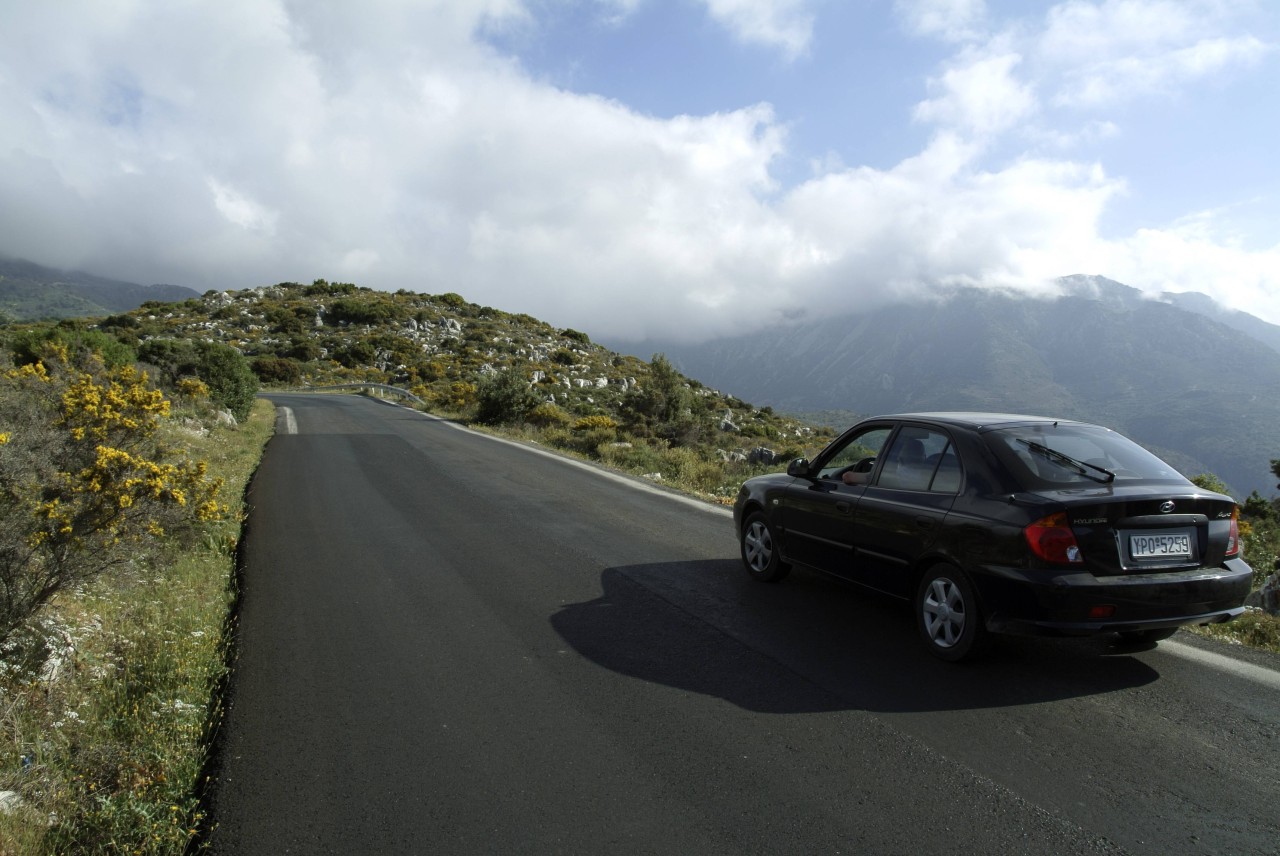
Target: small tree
(1258, 508)
(665, 406)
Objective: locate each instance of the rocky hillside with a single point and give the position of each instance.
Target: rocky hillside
(445, 350)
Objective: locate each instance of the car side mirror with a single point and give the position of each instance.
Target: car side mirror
(799, 468)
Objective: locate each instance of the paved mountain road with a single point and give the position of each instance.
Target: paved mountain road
(450, 644)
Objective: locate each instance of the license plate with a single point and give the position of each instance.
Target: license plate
(1164, 546)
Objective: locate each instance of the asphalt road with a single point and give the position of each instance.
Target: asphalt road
(449, 644)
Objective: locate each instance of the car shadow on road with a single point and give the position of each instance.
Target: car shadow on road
(813, 644)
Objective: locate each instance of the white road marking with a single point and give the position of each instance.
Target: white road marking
(290, 424)
(1258, 674)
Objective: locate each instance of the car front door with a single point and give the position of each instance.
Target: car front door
(900, 514)
(818, 511)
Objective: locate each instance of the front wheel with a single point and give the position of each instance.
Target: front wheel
(947, 614)
(760, 550)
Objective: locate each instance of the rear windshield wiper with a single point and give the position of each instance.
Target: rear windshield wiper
(1106, 476)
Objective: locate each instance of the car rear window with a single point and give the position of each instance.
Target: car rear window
(1056, 455)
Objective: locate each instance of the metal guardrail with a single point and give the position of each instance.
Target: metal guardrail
(378, 387)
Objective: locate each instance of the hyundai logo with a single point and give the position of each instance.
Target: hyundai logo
(1166, 507)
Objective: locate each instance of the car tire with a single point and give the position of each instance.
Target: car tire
(1138, 637)
(760, 554)
(947, 614)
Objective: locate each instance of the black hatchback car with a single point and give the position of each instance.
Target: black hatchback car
(1004, 523)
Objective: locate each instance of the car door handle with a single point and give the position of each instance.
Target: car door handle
(924, 522)
(844, 508)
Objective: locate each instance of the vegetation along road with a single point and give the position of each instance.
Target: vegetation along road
(453, 644)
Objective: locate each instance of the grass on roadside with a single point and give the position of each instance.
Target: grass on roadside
(1254, 629)
(105, 699)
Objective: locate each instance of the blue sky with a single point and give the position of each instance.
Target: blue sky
(642, 168)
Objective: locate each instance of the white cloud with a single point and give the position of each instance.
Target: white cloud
(783, 24)
(241, 210)
(1184, 258)
(1123, 49)
(951, 20)
(979, 95)
(935, 220)
(252, 142)
(1101, 83)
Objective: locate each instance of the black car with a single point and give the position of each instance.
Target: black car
(996, 522)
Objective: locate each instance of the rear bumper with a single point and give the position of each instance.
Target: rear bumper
(1017, 600)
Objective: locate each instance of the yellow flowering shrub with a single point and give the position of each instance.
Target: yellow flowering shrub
(597, 422)
(459, 395)
(123, 405)
(84, 484)
(193, 388)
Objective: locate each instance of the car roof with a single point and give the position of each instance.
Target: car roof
(979, 421)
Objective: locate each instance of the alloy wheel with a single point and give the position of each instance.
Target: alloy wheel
(757, 546)
(944, 612)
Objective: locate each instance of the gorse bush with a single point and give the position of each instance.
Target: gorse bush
(596, 422)
(547, 416)
(83, 482)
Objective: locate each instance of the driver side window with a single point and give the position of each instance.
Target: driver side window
(862, 447)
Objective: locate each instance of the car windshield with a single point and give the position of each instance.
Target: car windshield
(1057, 455)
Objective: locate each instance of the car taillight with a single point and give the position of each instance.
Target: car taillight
(1051, 539)
(1233, 533)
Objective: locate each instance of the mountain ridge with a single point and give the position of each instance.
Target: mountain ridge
(32, 292)
(1195, 389)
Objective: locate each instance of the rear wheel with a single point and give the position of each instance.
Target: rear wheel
(947, 614)
(1140, 636)
(760, 550)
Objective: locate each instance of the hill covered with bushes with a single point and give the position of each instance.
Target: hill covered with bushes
(481, 364)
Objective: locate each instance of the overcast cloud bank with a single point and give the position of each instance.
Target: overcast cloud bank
(243, 142)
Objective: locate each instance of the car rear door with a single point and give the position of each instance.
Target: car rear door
(900, 515)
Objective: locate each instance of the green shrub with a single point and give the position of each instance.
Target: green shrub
(232, 384)
(691, 469)
(504, 397)
(272, 369)
(632, 456)
(29, 345)
(358, 354)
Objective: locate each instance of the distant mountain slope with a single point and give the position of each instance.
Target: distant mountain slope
(1202, 304)
(1191, 388)
(1109, 290)
(29, 291)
